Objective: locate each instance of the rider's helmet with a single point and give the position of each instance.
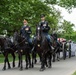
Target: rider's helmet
(42, 15)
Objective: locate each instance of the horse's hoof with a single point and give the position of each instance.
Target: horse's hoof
(13, 66)
(32, 66)
(46, 65)
(18, 66)
(49, 66)
(9, 67)
(53, 60)
(4, 69)
(26, 68)
(42, 69)
(21, 69)
(58, 60)
(35, 61)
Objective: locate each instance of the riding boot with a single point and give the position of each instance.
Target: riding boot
(33, 48)
(50, 45)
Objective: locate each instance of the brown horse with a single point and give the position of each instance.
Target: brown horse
(42, 48)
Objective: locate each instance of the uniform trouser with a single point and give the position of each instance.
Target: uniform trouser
(48, 37)
(49, 40)
(30, 41)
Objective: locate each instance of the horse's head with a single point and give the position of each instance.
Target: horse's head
(2, 41)
(38, 33)
(19, 39)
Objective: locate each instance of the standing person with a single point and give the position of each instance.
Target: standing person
(26, 31)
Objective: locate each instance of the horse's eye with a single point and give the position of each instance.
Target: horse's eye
(38, 28)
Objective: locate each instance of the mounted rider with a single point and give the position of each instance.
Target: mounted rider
(45, 29)
(26, 31)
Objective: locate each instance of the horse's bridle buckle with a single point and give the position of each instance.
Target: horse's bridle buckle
(38, 45)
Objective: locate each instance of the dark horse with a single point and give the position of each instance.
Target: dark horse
(23, 49)
(56, 52)
(42, 48)
(7, 47)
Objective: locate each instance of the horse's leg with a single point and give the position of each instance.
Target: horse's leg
(49, 62)
(13, 59)
(58, 55)
(26, 61)
(54, 55)
(32, 59)
(8, 63)
(40, 57)
(5, 59)
(42, 63)
(21, 62)
(35, 55)
(46, 61)
(29, 58)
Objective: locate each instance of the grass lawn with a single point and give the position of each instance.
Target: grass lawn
(9, 57)
(74, 73)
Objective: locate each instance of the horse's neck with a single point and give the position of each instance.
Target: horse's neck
(44, 40)
(2, 42)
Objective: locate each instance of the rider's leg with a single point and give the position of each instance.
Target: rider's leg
(50, 41)
(33, 41)
(30, 42)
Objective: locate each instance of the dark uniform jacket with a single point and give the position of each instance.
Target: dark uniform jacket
(25, 32)
(44, 26)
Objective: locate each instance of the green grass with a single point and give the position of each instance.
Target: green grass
(74, 73)
(9, 57)
(1, 58)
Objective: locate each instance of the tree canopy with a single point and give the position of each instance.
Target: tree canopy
(13, 12)
(62, 3)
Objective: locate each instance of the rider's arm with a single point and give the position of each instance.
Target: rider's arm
(29, 31)
(47, 26)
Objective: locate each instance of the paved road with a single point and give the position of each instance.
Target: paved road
(63, 67)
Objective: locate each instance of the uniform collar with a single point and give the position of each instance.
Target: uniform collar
(43, 21)
(25, 25)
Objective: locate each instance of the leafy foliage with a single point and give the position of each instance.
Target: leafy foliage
(14, 11)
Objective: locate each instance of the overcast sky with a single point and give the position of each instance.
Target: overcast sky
(68, 16)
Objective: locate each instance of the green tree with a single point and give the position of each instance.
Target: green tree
(68, 30)
(62, 3)
(12, 13)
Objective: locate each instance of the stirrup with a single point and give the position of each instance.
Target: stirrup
(33, 48)
(52, 47)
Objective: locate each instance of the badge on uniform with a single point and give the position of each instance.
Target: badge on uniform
(44, 25)
(26, 29)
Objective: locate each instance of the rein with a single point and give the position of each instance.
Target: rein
(22, 41)
(54, 51)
